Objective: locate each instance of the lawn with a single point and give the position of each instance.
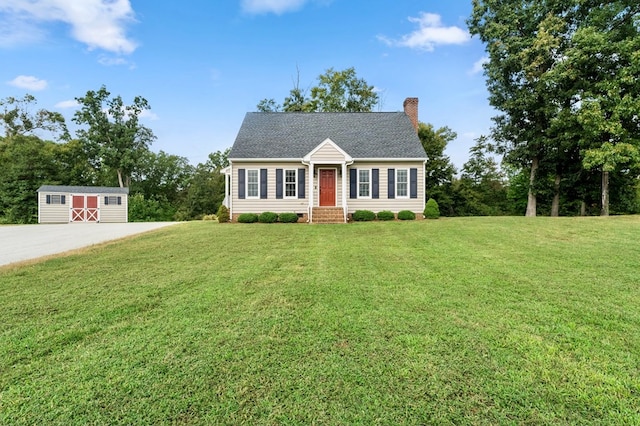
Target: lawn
(454, 321)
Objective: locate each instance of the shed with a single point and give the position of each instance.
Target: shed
(66, 204)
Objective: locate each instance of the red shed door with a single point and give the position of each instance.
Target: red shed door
(77, 208)
(327, 187)
(92, 208)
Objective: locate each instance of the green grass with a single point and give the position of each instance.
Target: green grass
(454, 321)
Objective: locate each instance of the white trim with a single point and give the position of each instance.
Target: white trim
(311, 172)
(324, 143)
(389, 160)
(246, 185)
(265, 160)
(345, 207)
(363, 197)
(408, 183)
(284, 184)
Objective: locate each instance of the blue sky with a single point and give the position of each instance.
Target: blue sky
(203, 64)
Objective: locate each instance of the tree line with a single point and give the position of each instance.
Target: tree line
(561, 73)
(111, 148)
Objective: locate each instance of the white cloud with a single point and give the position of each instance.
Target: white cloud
(100, 24)
(67, 104)
(477, 66)
(271, 6)
(28, 82)
(430, 33)
(149, 115)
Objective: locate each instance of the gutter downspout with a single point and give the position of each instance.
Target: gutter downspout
(311, 167)
(345, 207)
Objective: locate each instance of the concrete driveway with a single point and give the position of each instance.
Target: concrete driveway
(24, 242)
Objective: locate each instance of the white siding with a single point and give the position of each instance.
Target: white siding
(61, 213)
(300, 205)
(395, 205)
(328, 153)
(113, 213)
(53, 213)
(270, 204)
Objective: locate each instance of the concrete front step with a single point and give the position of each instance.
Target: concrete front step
(328, 215)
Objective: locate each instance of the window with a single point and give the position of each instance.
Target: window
(112, 200)
(56, 199)
(402, 183)
(253, 183)
(290, 184)
(364, 183)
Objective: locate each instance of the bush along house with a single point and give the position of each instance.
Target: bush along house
(324, 166)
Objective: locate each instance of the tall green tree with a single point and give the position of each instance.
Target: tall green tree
(439, 170)
(17, 118)
(524, 41)
(603, 64)
(336, 91)
(113, 137)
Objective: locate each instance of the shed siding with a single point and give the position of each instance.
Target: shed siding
(53, 213)
(113, 213)
(60, 213)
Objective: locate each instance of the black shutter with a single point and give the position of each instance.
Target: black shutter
(63, 199)
(241, 184)
(375, 183)
(119, 201)
(391, 187)
(106, 201)
(353, 183)
(263, 183)
(48, 199)
(279, 183)
(413, 183)
(301, 183)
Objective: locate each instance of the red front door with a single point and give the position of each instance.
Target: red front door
(327, 187)
(77, 209)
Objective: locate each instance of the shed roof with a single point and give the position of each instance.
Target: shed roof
(84, 189)
(360, 134)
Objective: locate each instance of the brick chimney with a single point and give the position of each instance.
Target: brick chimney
(411, 109)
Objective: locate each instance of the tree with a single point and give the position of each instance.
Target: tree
(206, 189)
(337, 91)
(439, 170)
(16, 118)
(524, 41)
(603, 64)
(114, 137)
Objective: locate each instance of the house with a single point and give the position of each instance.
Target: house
(67, 204)
(325, 166)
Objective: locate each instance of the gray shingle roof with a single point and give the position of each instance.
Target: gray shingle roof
(359, 134)
(83, 189)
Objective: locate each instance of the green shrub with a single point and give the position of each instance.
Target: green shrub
(406, 215)
(209, 217)
(386, 215)
(268, 217)
(431, 209)
(288, 217)
(223, 214)
(363, 215)
(248, 218)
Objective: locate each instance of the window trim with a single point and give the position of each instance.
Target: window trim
(256, 183)
(406, 183)
(294, 183)
(369, 184)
